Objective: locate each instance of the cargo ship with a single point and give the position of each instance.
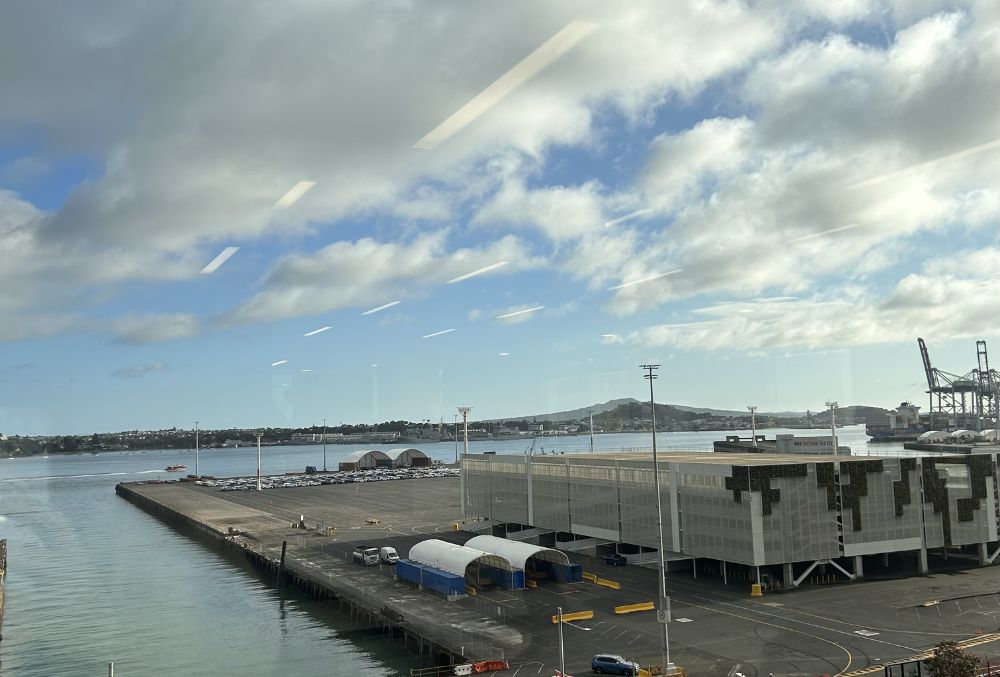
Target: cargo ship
(903, 424)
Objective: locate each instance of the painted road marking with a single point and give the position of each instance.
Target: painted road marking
(865, 633)
(683, 620)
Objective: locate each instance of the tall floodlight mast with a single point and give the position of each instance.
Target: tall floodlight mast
(663, 614)
(833, 424)
(464, 411)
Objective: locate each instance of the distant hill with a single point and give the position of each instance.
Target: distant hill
(572, 414)
(629, 407)
(736, 412)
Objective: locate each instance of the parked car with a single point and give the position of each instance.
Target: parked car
(613, 664)
(615, 559)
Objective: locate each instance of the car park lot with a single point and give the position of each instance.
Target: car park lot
(324, 479)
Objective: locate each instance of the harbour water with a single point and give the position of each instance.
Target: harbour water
(92, 579)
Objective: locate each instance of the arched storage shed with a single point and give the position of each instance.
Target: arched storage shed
(933, 436)
(480, 568)
(534, 560)
(404, 457)
(357, 460)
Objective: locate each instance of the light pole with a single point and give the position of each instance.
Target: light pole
(562, 652)
(258, 461)
(455, 416)
(591, 431)
(465, 423)
(464, 411)
(833, 423)
(324, 445)
(196, 445)
(668, 669)
(753, 423)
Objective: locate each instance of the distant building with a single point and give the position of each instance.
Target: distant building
(821, 445)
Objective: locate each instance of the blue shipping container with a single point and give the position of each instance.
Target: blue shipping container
(442, 582)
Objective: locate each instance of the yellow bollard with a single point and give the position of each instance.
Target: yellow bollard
(755, 590)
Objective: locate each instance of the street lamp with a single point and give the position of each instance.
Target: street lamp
(464, 411)
(668, 668)
(833, 423)
(562, 650)
(753, 423)
(258, 461)
(324, 445)
(196, 445)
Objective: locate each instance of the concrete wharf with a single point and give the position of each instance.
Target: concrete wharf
(844, 629)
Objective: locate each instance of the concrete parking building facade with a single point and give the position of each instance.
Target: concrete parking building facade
(784, 514)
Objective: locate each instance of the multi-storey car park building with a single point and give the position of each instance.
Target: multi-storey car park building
(751, 515)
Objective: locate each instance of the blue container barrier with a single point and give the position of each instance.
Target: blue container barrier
(442, 582)
(567, 573)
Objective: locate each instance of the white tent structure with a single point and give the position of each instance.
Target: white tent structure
(520, 555)
(989, 435)
(965, 436)
(403, 457)
(933, 436)
(363, 459)
(456, 559)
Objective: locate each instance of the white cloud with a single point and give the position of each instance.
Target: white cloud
(944, 305)
(561, 212)
(151, 328)
(362, 273)
(139, 370)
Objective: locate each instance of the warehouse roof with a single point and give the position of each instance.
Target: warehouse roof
(399, 451)
(515, 552)
(454, 558)
(717, 458)
(356, 456)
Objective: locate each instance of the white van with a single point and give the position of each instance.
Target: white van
(388, 555)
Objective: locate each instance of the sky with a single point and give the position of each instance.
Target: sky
(267, 214)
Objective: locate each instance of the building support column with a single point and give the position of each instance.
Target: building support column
(694, 567)
(885, 560)
(922, 560)
(984, 554)
(788, 574)
(859, 569)
(725, 577)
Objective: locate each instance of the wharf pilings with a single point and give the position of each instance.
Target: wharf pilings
(365, 609)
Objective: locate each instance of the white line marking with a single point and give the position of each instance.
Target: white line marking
(519, 312)
(379, 308)
(437, 333)
(551, 50)
(645, 279)
(223, 256)
(294, 194)
(481, 271)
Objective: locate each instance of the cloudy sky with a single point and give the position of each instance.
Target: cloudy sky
(270, 213)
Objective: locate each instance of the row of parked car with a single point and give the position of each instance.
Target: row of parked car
(344, 477)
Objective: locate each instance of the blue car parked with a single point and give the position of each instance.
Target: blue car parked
(613, 665)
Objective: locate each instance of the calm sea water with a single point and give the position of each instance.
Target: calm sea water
(92, 579)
